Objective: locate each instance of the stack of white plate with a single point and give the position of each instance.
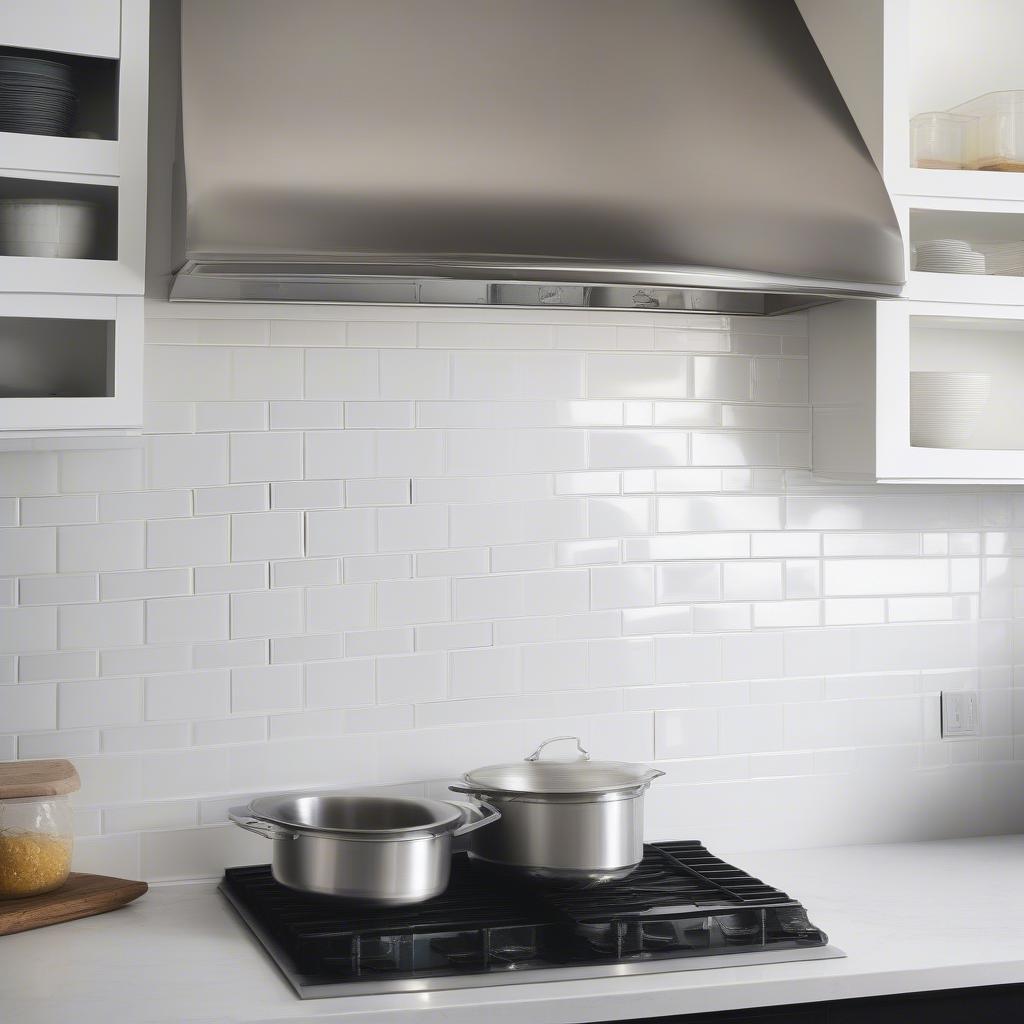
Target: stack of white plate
(956, 256)
(944, 407)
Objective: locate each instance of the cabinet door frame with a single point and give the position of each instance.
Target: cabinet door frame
(895, 459)
(120, 412)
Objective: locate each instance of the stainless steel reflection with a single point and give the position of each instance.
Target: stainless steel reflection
(579, 821)
(624, 147)
(589, 840)
(375, 849)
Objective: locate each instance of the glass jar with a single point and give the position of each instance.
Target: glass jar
(36, 840)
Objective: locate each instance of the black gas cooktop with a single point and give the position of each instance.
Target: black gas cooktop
(679, 910)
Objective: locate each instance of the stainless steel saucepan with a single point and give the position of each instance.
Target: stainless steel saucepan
(579, 821)
(359, 845)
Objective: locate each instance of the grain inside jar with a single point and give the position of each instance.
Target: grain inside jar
(32, 863)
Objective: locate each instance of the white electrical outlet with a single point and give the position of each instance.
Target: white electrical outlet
(960, 713)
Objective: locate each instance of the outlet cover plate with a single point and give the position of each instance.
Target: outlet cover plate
(961, 714)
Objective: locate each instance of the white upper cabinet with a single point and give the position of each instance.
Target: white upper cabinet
(925, 388)
(85, 310)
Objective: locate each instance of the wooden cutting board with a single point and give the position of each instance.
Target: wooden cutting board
(80, 896)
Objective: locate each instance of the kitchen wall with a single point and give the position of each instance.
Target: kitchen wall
(379, 545)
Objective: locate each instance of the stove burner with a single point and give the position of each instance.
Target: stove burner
(680, 902)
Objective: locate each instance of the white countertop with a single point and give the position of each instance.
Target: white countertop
(911, 917)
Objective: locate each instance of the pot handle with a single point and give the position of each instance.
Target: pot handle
(241, 817)
(535, 756)
(479, 814)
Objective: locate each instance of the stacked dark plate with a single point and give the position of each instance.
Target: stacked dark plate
(36, 96)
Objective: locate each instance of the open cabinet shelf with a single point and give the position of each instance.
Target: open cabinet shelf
(71, 327)
(862, 358)
(967, 327)
(70, 363)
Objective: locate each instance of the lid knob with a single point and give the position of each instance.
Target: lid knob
(535, 756)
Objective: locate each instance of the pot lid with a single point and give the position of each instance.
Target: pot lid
(357, 813)
(582, 776)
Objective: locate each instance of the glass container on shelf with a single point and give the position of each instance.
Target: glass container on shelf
(942, 140)
(998, 138)
(983, 134)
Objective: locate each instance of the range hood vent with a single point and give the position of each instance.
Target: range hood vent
(690, 155)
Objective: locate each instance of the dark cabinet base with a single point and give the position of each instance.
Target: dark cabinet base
(1000, 1004)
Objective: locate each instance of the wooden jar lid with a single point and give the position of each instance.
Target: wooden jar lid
(54, 777)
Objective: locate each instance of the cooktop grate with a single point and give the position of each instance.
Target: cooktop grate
(680, 902)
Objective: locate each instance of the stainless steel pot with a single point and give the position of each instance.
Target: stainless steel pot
(580, 821)
(358, 845)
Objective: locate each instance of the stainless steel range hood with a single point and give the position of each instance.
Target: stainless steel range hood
(656, 154)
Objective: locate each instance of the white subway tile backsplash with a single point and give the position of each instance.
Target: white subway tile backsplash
(230, 653)
(269, 374)
(340, 374)
(101, 625)
(218, 417)
(266, 688)
(187, 695)
(414, 677)
(95, 702)
(856, 578)
(381, 334)
(637, 375)
(403, 602)
(224, 579)
(140, 505)
(59, 665)
(342, 453)
(622, 449)
(486, 672)
(300, 649)
(127, 739)
(622, 586)
(54, 511)
(102, 547)
(151, 658)
(306, 415)
(132, 738)
(187, 460)
(752, 581)
(210, 501)
(266, 535)
(308, 333)
(679, 514)
(467, 530)
(27, 708)
(306, 572)
(413, 528)
(187, 619)
(266, 456)
(339, 608)
(340, 684)
(369, 568)
(28, 473)
(689, 733)
(58, 589)
(418, 374)
(202, 541)
(184, 373)
(341, 532)
(267, 613)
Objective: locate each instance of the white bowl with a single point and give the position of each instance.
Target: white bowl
(65, 228)
(944, 407)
